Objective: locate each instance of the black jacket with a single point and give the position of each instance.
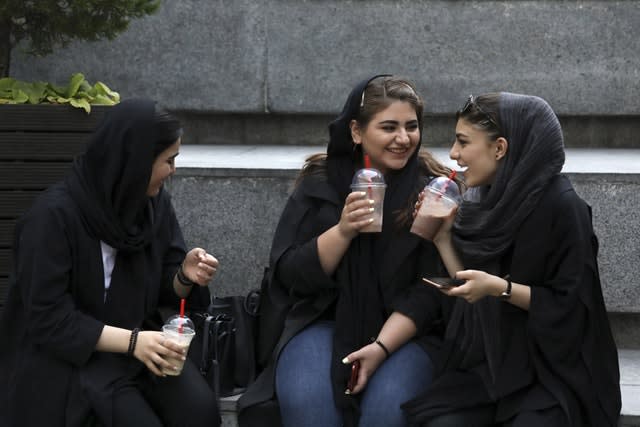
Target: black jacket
(559, 352)
(298, 291)
(56, 309)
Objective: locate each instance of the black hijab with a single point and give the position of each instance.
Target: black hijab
(490, 216)
(488, 220)
(365, 295)
(109, 181)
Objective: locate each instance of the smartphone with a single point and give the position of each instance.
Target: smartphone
(353, 379)
(443, 282)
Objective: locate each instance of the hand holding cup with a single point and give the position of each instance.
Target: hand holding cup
(357, 214)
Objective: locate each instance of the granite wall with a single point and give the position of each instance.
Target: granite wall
(234, 215)
(265, 64)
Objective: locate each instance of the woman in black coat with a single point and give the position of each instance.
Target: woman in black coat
(527, 339)
(336, 294)
(94, 257)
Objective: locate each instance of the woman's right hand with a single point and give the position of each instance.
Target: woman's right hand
(356, 214)
(153, 349)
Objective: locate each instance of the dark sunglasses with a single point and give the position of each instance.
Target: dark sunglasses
(471, 102)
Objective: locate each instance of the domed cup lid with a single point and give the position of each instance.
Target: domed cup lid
(445, 187)
(367, 176)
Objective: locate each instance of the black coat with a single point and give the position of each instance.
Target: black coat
(56, 308)
(299, 292)
(563, 342)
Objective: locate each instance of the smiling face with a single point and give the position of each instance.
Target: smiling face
(474, 150)
(163, 167)
(390, 137)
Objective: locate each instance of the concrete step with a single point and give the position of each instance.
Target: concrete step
(629, 386)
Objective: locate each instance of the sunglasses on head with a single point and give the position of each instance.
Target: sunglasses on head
(471, 102)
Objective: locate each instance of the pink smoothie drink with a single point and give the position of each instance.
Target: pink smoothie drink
(441, 196)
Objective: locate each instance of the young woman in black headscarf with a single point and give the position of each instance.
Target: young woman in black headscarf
(527, 339)
(336, 295)
(94, 258)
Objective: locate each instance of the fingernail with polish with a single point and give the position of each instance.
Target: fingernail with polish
(345, 360)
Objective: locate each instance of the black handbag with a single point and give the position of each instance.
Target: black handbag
(226, 333)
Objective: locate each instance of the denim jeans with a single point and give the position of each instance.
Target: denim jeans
(303, 382)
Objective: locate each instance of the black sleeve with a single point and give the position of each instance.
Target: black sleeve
(294, 255)
(43, 272)
(568, 257)
(299, 270)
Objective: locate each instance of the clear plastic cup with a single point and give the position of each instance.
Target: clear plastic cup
(181, 331)
(371, 181)
(441, 196)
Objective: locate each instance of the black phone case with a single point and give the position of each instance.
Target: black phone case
(446, 282)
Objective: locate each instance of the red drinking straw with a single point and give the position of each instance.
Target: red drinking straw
(182, 302)
(452, 175)
(367, 161)
(367, 164)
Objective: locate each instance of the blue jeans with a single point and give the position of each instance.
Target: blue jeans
(303, 382)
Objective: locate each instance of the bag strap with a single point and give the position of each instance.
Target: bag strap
(204, 363)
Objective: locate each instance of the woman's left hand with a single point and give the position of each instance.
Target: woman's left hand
(479, 284)
(370, 356)
(199, 266)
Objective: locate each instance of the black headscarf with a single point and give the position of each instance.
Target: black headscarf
(109, 181)
(364, 298)
(490, 216)
(487, 223)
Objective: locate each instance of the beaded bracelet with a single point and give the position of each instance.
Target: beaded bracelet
(133, 339)
(183, 279)
(383, 347)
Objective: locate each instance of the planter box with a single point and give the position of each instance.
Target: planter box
(37, 145)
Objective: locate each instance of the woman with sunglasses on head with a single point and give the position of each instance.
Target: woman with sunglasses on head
(344, 292)
(527, 339)
(94, 258)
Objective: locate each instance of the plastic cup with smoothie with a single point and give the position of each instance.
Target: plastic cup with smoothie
(441, 196)
(180, 330)
(371, 181)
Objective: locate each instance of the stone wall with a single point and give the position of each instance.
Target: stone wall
(235, 67)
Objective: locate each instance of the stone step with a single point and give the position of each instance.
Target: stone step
(629, 386)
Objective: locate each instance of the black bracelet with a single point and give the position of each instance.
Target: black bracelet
(133, 339)
(384, 347)
(507, 292)
(183, 279)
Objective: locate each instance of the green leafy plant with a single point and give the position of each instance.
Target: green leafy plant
(79, 93)
(45, 24)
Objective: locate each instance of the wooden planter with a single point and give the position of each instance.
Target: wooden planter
(37, 145)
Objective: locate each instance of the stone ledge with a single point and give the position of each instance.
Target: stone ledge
(256, 160)
(228, 199)
(629, 386)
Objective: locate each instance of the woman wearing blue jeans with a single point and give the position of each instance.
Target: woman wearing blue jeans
(339, 295)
